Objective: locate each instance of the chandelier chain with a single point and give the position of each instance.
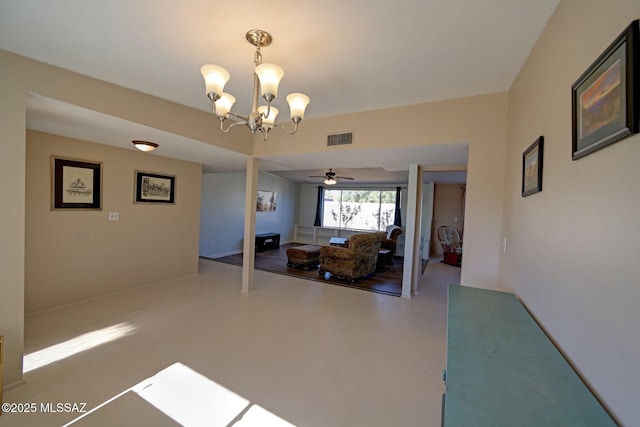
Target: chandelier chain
(257, 58)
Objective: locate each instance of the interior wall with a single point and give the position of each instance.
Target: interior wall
(285, 216)
(572, 249)
(12, 212)
(222, 214)
(18, 77)
(72, 255)
(480, 121)
(447, 211)
(307, 208)
(222, 211)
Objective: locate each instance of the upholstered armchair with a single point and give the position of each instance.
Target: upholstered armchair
(451, 244)
(393, 231)
(356, 261)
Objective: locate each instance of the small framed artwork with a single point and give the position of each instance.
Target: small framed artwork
(266, 201)
(605, 98)
(155, 188)
(532, 168)
(76, 184)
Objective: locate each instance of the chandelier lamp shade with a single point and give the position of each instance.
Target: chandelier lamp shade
(266, 79)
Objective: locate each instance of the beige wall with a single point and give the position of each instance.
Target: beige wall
(447, 205)
(18, 77)
(75, 255)
(573, 248)
(12, 194)
(479, 121)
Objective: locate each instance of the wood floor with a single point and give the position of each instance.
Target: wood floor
(388, 282)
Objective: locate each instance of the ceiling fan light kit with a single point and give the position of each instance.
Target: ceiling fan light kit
(330, 181)
(330, 177)
(266, 79)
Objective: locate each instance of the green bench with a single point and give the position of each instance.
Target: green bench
(502, 370)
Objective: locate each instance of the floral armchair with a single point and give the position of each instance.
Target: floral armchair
(356, 261)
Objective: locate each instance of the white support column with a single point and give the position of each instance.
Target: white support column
(417, 253)
(412, 232)
(249, 245)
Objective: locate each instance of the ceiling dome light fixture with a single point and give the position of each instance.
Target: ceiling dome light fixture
(266, 79)
(145, 145)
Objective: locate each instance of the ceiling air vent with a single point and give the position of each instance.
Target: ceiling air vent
(340, 139)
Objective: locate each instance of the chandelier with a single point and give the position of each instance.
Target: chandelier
(266, 79)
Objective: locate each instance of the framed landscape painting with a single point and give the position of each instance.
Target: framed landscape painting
(532, 168)
(605, 98)
(155, 188)
(76, 184)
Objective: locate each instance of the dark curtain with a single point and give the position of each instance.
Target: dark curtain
(318, 221)
(398, 218)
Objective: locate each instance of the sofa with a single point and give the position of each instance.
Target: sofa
(357, 260)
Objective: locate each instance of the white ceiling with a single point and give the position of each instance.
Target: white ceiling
(347, 56)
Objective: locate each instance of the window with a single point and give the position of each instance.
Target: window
(359, 209)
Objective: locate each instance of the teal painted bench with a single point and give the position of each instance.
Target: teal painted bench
(502, 370)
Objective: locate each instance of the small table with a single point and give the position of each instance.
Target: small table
(266, 241)
(384, 258)
(339, 241)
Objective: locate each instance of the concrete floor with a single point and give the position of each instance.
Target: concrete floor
(196, 351)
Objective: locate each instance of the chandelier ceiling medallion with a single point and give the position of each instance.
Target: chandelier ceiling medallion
(266, 79)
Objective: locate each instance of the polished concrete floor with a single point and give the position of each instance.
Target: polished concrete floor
(197, 351)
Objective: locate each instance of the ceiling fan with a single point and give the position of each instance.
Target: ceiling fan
(330, 177)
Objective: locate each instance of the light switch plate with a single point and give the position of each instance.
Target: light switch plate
(114, 216)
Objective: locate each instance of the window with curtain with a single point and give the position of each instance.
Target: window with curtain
(359, 209)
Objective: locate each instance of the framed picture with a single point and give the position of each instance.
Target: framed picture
(155, 188)
(532, 168)
(266, 201)
(76, 184)
(605, 98)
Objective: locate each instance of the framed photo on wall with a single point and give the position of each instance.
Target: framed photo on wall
(532, 168)
(75, 184)
(605, 98)
(266, 201)
(155, 188)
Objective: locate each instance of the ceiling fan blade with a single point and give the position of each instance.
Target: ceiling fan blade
(317, 176)
(344, 177)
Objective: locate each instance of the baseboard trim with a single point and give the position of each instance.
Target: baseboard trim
(214, 256)
(14, 384)
(122, 291)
